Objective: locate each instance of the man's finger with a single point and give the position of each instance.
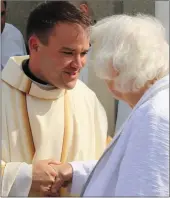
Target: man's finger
(45, 189)
(56, 185)
(57, 194)
(54, 162)
(53, 173)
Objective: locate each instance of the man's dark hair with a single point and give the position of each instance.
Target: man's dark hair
(5, 3)
(46, 15)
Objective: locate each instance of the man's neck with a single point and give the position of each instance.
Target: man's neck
(30, 74)
(39, 82)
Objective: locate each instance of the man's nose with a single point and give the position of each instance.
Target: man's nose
(78, 62)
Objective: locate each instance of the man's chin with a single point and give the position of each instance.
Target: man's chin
(70, 85)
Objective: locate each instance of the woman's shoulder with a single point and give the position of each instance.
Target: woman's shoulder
(152, 119)
(156, 108)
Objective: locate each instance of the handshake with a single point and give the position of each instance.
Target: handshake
(48, 176)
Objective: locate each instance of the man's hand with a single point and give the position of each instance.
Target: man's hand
(43, 176)
(63, 178)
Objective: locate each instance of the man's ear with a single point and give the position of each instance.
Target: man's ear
(84, 8)
(33, 44)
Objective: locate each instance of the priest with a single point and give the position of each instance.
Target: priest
(48, 115)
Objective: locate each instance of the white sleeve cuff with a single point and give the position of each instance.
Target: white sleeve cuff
(23, 181)
(81, 171)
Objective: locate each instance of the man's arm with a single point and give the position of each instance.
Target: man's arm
(23, 180)
(74, 172)
(19, 178)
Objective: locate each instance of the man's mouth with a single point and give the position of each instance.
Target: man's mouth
(72, 73)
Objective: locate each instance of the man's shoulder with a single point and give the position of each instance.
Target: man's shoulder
(9, 27)
(82, 92)
(82, 96)
(83, 88)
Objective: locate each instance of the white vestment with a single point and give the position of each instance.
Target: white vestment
(12, 44)
(136, 163)
(40, 124)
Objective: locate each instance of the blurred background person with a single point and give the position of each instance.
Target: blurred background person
(12, 41)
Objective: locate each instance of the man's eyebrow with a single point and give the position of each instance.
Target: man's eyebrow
(86, 50)
(72, 50)
(67, 48)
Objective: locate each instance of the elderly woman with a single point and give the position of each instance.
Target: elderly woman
(131, 54)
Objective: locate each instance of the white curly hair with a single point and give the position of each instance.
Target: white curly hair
(135, 46)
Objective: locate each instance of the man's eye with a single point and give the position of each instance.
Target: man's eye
(68, 53)
(83, 53)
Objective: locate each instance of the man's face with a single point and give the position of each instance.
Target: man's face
(62, 59)
(3, 16)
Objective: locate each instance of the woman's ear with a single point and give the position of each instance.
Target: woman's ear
(115, 72)
(110, 83)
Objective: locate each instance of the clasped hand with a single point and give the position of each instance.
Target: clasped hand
(49, 176)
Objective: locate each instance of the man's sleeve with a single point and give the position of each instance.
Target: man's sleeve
(16, 179)
(144, 170)
(81, 171)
